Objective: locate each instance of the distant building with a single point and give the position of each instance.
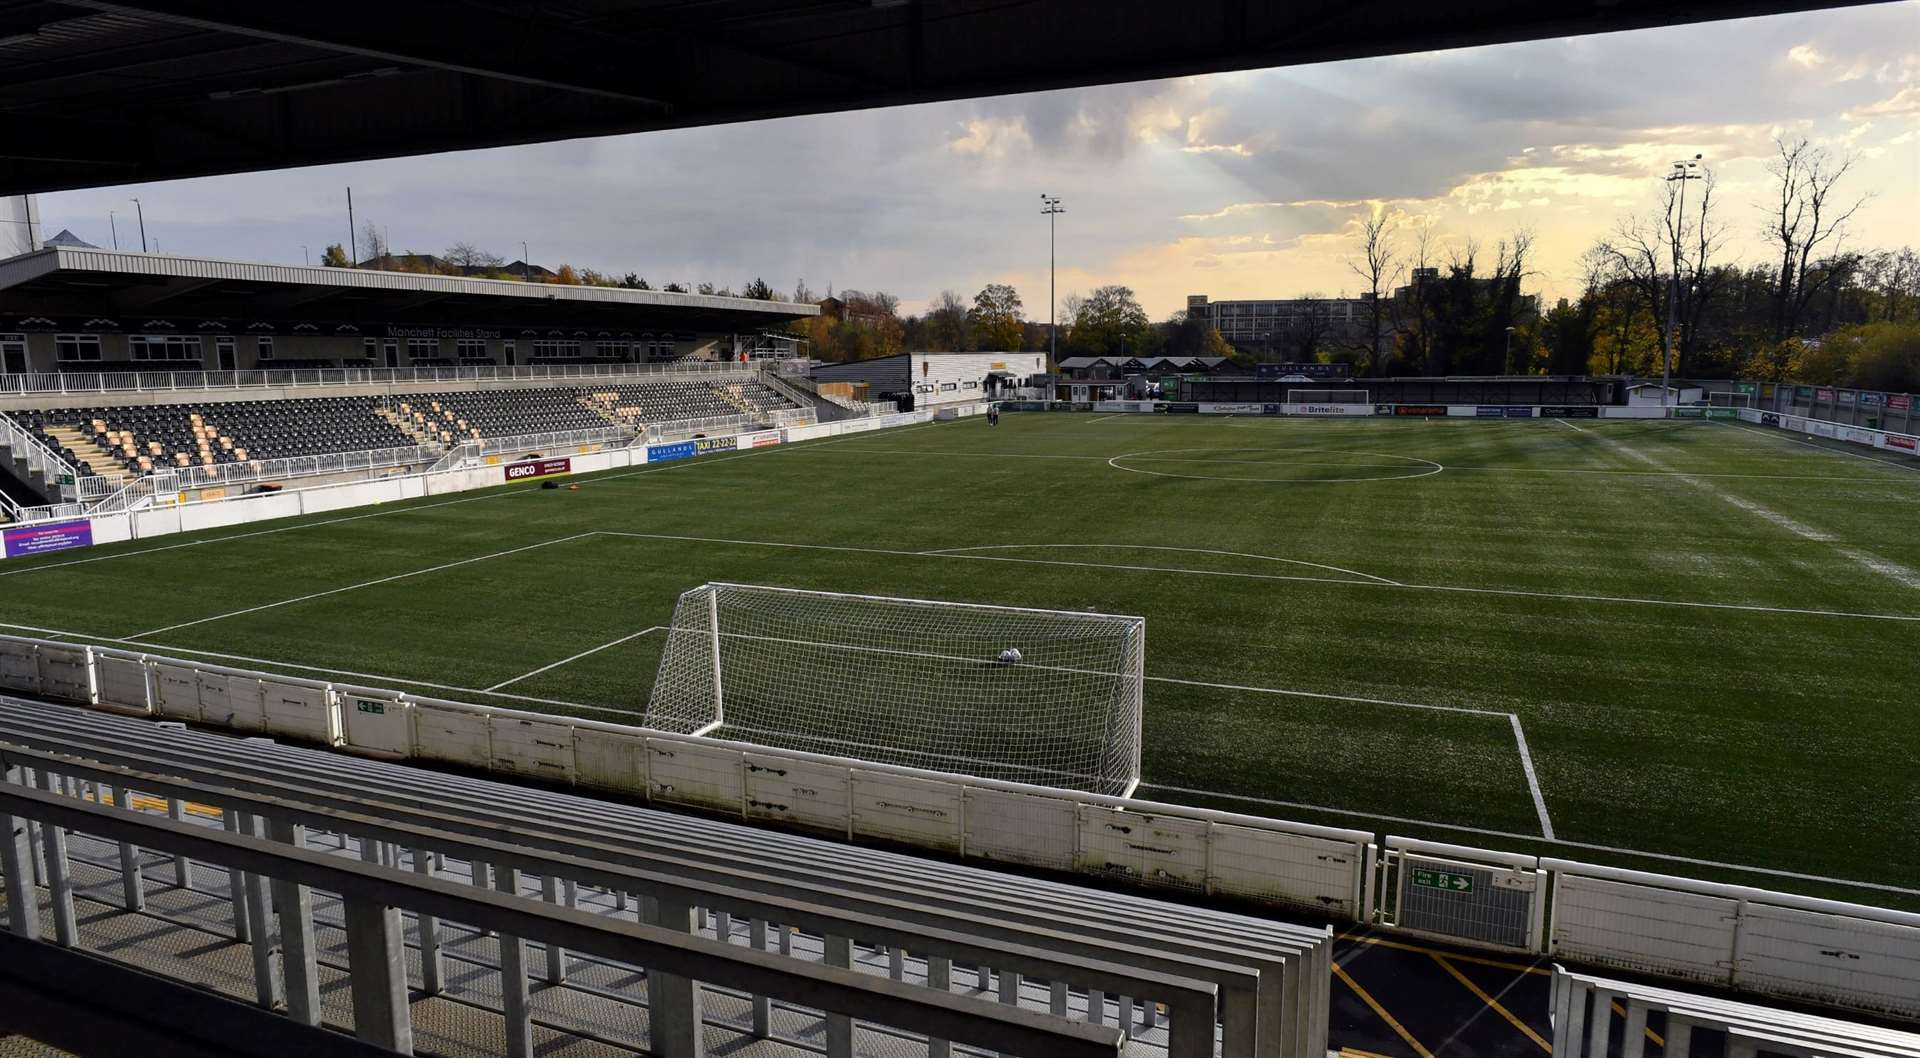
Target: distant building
(939, 378)
(1284, 327)
(1114, 368)
(68, 238)
(434, 264)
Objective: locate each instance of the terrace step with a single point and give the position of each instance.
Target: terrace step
(90, 454)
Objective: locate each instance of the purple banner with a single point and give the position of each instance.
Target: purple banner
(45, 539)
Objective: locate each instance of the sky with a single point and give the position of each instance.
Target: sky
(1235, 185)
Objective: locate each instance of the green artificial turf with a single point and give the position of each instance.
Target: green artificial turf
(1706, 631)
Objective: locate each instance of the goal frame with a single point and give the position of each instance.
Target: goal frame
(1329, 396)
(1133, 682)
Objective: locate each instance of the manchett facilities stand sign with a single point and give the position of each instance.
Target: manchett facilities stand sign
(46, 539)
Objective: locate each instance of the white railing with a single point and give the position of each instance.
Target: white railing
(9, 510)
(50, 512)
(712, 425)
(168, 381)
(615, 436)
(1583, 1024)
(40, 459)
(221, 475)
(132, 496)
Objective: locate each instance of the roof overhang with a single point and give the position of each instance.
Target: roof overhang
(103, 92)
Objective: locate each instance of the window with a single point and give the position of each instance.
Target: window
(263, 347)
(970, 384)
(164, 347)
(369, 348)
(72, 348)
(472, 349)
(949, 387)
(423, 348)
(556, 347)
(613, 350)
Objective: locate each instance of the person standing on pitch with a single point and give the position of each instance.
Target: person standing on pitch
(993, 414)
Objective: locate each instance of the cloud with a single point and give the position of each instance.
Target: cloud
(1905, 101)
(1806, 55)
(992, 138)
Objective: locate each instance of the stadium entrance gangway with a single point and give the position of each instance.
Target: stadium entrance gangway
(1269, 975)
(278, 876)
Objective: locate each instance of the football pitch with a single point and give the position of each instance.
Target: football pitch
(1696, 640)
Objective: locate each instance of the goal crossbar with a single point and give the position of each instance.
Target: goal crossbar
(1050, 697)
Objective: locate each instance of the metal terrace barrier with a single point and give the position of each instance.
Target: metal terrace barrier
(1583, 1025)
(56, 472)
(1151, 969)
(224, 475)
(1841, 954)
(278, 877)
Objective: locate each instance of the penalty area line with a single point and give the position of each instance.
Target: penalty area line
(571, 660)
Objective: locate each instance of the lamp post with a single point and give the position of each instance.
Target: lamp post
(1050, 208)
(142, 213)
(526, 264)
(306, 256)
(1682, 171)
(115, 228)
(1509, 355)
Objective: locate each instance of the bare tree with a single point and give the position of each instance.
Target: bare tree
(1808, 222)
(373, 241)
(1379, 265)
(465, 255)
(1649, 251)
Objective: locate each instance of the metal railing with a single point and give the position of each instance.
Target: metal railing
(552, 441)
(41, 460)
(267, 853)
(1583, 1024)
(169, 381)
(680, 429)
(223, 475)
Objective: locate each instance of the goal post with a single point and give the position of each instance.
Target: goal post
(1329, 396)
(1046, 697)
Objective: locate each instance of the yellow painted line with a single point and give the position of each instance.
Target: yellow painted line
(1367, 998)
(1652, 1035)
(1349, 1052)
(1476, 960)
(155, 804)
(1492, 1003)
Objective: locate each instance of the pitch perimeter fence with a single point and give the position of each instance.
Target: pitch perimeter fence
(1845, 955)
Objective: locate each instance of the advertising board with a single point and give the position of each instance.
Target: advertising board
(537, 468)
(46, 539)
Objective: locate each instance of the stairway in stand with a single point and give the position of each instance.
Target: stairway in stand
(90, 454)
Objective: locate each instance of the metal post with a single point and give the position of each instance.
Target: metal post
(133, 890)
(838, 952)
(1057, 998)
(376, 959)
(513, 973)
(237, 883)
(266, 975)
(433, 965)
(182, 867)
(762, 1006)
(16, 859)
(556, 955)
(940, 979)
(713, 622)
(294, 903)
(673, 1002)
(53, 845)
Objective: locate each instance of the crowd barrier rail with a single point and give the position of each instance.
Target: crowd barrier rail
(1845, 955)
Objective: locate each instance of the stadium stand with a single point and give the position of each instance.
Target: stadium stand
(124, 442)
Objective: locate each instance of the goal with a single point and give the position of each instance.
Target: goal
(1048, 697)
(1329, 396)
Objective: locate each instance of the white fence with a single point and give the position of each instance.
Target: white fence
(1583, 1025)
(56, 472)
(1897, 443)
(227, 475)
(1844, 955)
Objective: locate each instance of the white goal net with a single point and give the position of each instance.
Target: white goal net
(1047, 697)
(1329, 396)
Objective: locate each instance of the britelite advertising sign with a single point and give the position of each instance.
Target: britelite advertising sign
(46, 539)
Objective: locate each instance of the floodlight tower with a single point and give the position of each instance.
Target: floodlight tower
(1682, 171)
(1050, 208)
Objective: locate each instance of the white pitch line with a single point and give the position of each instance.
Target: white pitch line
(1569, 425)
(1293, 578)
(1533, 781)
(1782, 436)
(354, 587)
(1163, 547)
(576, 657)
(1327, 697)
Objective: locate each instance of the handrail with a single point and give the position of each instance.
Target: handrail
(380, 997)
(29, 449)
(220, 474)
(167, 381)
(528, 442)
